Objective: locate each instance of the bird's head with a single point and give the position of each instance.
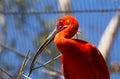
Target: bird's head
(67, 26)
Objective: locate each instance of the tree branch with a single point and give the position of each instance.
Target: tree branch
(48, 62)
(21, 72)
(23, 55)
(5, 72)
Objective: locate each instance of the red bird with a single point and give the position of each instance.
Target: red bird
(80, 59)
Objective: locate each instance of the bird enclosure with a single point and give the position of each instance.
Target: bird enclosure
(25, 24)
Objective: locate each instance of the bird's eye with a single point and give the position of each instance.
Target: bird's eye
(60, 23)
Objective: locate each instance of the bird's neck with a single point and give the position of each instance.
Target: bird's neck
(60, 40)
(62, 43)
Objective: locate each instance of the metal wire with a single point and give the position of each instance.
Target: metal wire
(59, 12)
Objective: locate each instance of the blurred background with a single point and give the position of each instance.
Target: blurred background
(25, 24)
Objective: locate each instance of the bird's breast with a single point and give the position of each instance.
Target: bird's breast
(75, 55)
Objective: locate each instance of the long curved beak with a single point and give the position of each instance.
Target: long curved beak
(47, 41)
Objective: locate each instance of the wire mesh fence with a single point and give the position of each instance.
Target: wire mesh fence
(24, 25)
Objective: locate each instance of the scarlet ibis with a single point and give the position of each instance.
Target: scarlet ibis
(80, 59)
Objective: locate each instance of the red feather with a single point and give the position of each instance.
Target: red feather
(80, 59)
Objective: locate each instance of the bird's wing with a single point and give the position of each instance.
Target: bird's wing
(65, 71)
(99, 62)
